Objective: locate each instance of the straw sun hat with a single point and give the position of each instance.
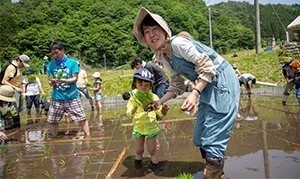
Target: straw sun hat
(137, 29)
(7, 93)
(96, 75)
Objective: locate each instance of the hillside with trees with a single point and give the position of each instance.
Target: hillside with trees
(99, 33)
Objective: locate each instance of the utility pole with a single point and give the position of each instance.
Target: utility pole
(210, 29)
(104, 56)
(257, 27)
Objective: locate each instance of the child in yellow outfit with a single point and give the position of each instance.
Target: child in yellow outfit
(144, 116)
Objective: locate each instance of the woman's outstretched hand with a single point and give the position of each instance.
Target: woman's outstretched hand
(189, 103)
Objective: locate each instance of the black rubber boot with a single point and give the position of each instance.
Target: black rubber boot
(214, 169)
(155, 167)
(138, 164)
(16, 122)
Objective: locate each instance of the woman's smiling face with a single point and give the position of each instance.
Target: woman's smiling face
(155, 36)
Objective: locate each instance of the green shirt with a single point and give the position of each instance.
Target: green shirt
(143, 122)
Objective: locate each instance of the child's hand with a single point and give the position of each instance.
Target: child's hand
(164, 110)
(150, 107)
(133, 110)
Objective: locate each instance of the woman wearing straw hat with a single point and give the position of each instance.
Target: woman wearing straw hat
(11, 75)
(6, 107)
(216, 86)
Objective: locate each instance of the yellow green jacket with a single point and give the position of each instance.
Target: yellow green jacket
(143, 122)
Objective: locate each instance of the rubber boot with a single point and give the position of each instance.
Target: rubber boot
(138, 164)
(29, 121)
(16, 122)
(28, 112)
(37, 113)
(214, 169)
(155, 167)
(138, 168)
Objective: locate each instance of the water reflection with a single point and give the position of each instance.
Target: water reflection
(247, 112)
(265, 148)
(265, 145)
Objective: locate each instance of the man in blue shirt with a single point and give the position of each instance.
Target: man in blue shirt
(62, 74)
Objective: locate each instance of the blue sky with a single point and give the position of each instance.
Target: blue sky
(211, 2)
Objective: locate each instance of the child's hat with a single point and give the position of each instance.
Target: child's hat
(96, 75)
(143, 74)
(29, 71)
(7, 93)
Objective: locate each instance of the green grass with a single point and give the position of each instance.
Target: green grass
(264, 66)
(184, 176)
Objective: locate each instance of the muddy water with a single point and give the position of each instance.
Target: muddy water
(265, 144)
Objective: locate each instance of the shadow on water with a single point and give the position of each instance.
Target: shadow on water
(265, 143)
(167, 168)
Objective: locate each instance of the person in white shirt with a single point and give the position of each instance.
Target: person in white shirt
(245, 79)
(81, 86)
(32, 88)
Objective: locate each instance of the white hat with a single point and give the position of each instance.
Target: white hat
(96, 75)
(7, 93)
(25, 59)
(137, 29)
(45, 58)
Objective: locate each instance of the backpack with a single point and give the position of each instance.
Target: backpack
(45, 104)
(2, 73)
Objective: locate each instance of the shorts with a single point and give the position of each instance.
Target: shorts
(34, 99)
(73, 107)
(97, 96)
(85, 92)
(297, 91)
(139, 135)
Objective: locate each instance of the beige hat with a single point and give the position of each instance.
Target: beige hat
(25, 59)
(137, 29)
(96, 75)
(7, 93)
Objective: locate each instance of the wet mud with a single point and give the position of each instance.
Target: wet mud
(265, 143)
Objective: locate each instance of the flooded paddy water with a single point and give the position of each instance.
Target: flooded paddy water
(265, 143)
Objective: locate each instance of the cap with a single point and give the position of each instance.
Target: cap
(143, 74)
(7, 93)
(137, 29)
(29, 71)
(25, 59)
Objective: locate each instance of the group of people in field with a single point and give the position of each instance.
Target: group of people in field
(212, 81)
(67, 79)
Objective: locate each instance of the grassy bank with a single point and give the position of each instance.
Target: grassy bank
(264, 66)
